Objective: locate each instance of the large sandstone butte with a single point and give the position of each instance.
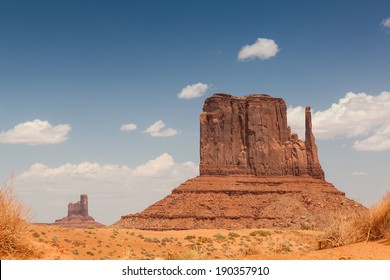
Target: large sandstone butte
(78, 216)
(253, 173)
(249, 136)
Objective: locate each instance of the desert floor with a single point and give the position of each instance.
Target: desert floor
(108, 243)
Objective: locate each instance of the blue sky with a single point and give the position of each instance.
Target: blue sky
(72, 73)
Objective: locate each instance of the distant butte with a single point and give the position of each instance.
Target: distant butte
(78, 216)
(253, 173)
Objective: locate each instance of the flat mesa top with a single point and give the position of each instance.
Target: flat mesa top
(256, 95)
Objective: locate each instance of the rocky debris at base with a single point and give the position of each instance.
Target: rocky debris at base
(237, 202)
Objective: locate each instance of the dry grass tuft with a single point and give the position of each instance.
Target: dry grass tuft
(187, 255)
(380, 219)
(372, 224)
(14, 243)
(252, 250)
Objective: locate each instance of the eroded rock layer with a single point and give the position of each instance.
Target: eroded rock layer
(234, 202)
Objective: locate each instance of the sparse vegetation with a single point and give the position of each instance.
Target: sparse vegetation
(307, 227)
(263, 233)
(166, 240)
(79, 243)
(151, 240)
(284, 248)
(54, 241)
(253, 250)
(14, 237)
(219, 237)
(190, 237)
(109, 243)
(187, 255)
(202, 239)
(233, 235)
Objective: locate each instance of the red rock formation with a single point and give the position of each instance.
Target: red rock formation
(313, 164)
(78, 215)
(79, 208)
(253, 173)
(249, 135)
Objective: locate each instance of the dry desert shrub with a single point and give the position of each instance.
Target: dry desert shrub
(380, 219)
(353, 227)
(187, 255)
(263, 233)
(252, 250)
(14, 242)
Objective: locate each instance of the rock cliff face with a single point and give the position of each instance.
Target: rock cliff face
(78, 215)
(249, 136)
(79, 208)
(253, 173)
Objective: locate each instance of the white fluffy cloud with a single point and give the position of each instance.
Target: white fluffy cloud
(386, 23)
(263, 48)
(155, 166)
(128, 127)
(157, 130)
(36, 132)
(113, 190)
(193, 91)
(361, 116)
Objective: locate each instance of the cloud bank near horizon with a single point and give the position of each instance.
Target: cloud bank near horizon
(114, 190)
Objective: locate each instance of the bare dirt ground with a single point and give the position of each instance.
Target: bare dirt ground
(56, 243)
